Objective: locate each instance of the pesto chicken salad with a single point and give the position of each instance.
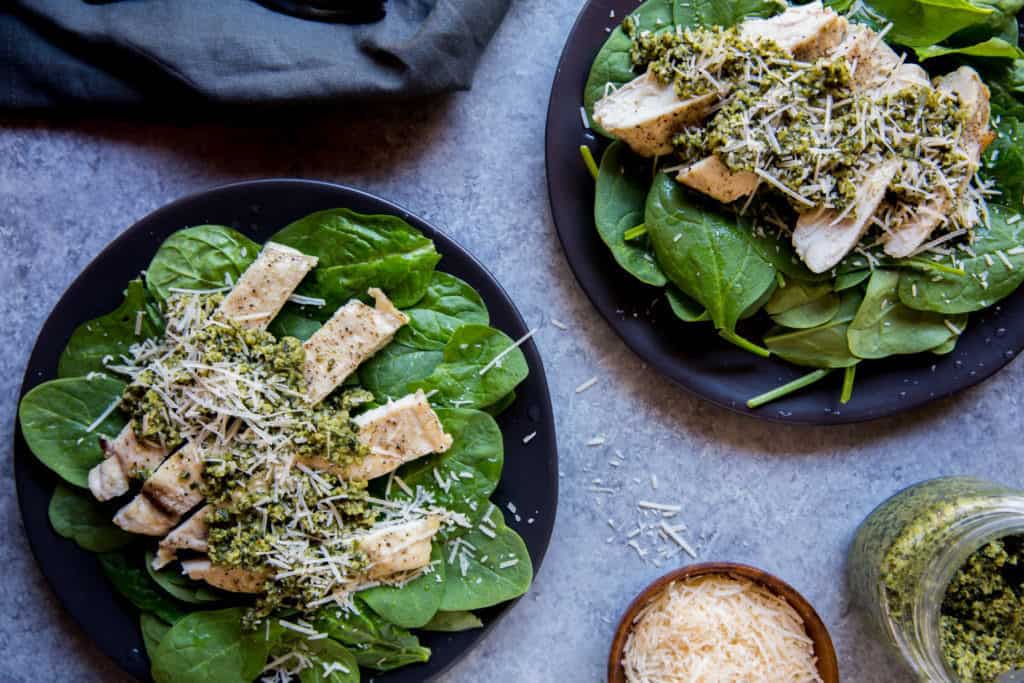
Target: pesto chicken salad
(849, 171)
(283, 454)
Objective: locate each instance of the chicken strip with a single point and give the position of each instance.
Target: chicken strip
(646, 114)
(976, 135)
(824, 236)
(260, 293)
(390, 550)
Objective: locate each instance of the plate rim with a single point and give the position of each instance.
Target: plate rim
(23, 458)
(666, 367)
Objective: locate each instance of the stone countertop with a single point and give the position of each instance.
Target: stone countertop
(786, 499)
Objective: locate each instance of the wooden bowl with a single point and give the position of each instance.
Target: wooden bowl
(828, 668)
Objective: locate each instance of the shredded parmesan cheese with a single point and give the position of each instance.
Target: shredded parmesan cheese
(716, 628)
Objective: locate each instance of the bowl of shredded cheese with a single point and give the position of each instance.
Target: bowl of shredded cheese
(718, 622)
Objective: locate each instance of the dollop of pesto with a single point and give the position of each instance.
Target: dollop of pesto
(811, 127)
(983, 613)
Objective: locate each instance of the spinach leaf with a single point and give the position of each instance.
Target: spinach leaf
(111, 334)
(58, 417)
(411, 605)
(983, 284)
(358, 251)
(850, 279)
(451, 622)
(685, 308)
(132, 581)
(1004, 161)
(724, 13)
(329, 655)
(485, 569)
(467, 375)
(396, 368)
(946, 347)
(884, 327)
(923, 23)
(612, 63)
(153, 631)
(501, 405)
(824, 346)
(710, 256)
(451, 296)
(294, 321)
(202, 257)
(75, 514)
(375, 643)
(991, 48)
(622, 185)
(467, 474)
(211, 646)
(180, 586)
(801, 305)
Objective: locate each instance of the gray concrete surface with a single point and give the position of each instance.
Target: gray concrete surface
(786, 499)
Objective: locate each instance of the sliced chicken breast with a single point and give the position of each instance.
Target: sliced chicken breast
(260, 293)
(172, 490)
(265, 286)
(397, 433)
(646, 114)
(189, 535)
(390, 550)
(805, 31)
(353, 334)
(823, 237)
(142, 516)
(912, 233)
(712, 177)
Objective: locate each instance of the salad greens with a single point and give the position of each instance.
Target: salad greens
(718, 266)
(448, 349)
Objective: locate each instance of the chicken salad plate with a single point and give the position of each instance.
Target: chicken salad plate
(285, 430)
(806, 212)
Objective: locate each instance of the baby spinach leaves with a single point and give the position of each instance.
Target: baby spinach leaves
(153, 631)
(203, 257)
(131, 580)
(111, 334)
(802, 305)
(622, 185)
(724, 13)
(211, 646)
(180, 586)
(376, 643)
(61, 421)
(707, 254)
(885, 327)
(823, 346)
(411, 605)
(358, 251)
(994, 271)
(452, 622)
(332, 663)
(685, 308)
(75, 515)
(485, 568)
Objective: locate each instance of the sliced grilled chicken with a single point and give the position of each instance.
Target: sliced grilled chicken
(390, 550)
(253, 302)
(265, 286)
(712, 177)
(823, 237)
(976, 135)
(189, 535)
(397, 433)
(645, 114)
(173, 489)
(805, 31)
(353, 334)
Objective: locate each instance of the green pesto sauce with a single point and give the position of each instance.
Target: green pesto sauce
(825, 172)
(983, 613)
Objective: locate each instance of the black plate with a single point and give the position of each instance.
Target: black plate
(259, 209)
(692, 355)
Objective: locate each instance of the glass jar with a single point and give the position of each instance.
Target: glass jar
(908, 549)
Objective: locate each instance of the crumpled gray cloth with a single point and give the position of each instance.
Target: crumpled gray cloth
(173, 52)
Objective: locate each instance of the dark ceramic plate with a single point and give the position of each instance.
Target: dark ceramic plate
(259, 209)
(692, 355)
